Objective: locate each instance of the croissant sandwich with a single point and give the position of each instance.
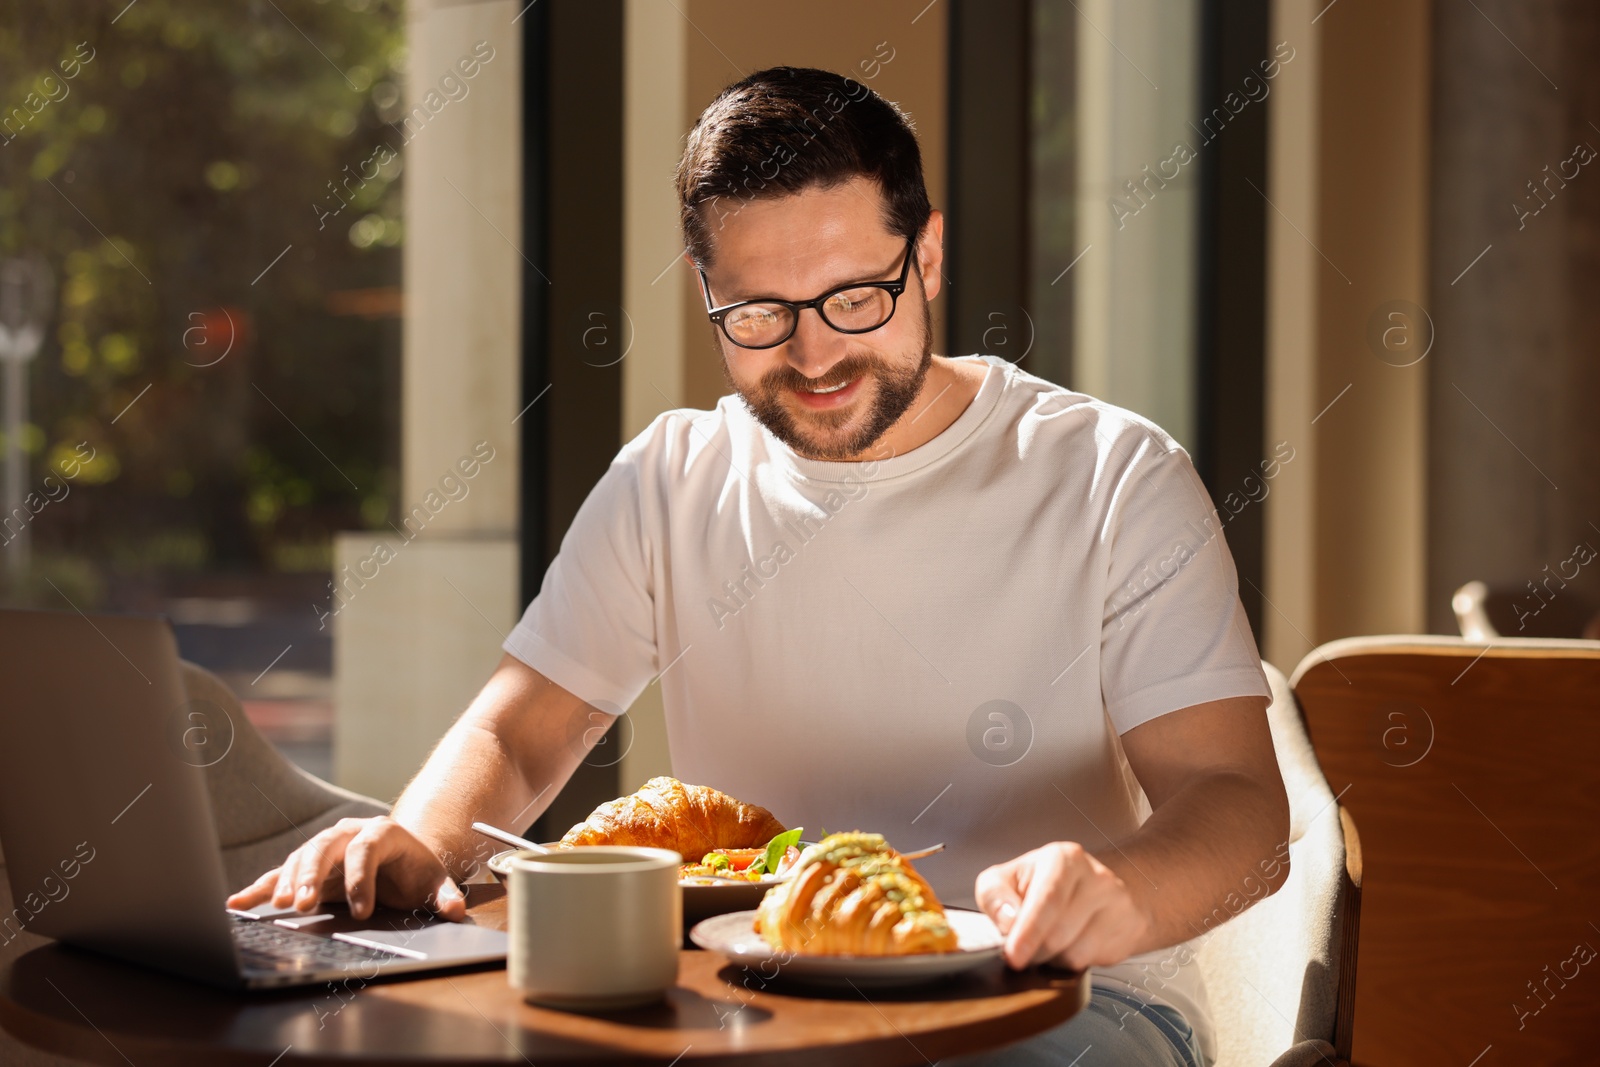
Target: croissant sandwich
(692, 820)
(853, 895)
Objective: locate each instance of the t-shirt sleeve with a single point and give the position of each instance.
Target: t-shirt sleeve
(1174, 633)
(591, 629)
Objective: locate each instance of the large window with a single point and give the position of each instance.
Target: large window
(200, 227)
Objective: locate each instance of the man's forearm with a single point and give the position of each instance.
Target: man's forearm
(469, 776)
(502, 762)
(1214, 848)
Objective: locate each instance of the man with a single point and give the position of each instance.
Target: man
(935, 598)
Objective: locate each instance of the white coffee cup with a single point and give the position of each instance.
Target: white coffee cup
(597, 926)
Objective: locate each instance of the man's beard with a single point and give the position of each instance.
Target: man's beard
(896, 390)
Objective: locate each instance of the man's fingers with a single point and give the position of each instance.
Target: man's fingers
(1074, 934)
(410, 872)
(283, 888)
(998, 895)
(371, 861)
(317, 859)
(256, 891)
(1027, 929)
(300, 874)
(1059, 903)
(1088, 943)
(360, 874)
(283, 893)
(448, 900)
(1048, 894)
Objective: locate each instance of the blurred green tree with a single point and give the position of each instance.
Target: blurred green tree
(202, 180)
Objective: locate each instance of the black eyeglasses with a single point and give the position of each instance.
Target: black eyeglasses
(858, 307)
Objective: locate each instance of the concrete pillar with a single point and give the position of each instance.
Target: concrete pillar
(1138, 203)
(1347, 245)
(655, 77)
(1372, 229)
(1289, 513)
(422, 610)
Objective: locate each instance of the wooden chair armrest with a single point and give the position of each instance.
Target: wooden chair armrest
(1349, 937)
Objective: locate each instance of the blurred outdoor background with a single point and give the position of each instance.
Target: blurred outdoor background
(218, 313)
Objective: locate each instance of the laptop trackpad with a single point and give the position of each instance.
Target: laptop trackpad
(440, 941)
(435, 939)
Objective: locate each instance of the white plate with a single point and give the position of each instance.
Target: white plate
(978, 942)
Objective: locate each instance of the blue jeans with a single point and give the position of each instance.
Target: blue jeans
(1114, 1030)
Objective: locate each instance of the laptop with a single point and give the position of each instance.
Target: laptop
(107, 833)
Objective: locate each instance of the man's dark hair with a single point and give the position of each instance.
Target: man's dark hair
(786, 129)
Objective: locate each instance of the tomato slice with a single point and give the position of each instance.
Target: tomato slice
(740, 858)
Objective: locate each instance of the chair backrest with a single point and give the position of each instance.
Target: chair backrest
(1277, 975)
(1471, 769)
(262, 804)
(1484, 612)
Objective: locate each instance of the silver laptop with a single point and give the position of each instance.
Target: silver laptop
(107, 828)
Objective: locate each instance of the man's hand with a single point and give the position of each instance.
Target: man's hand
(1218, 808)
(364, 861)
(1060, 905)
(511, 747)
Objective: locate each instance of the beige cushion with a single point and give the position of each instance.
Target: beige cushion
(263, 805)
(1272, 972)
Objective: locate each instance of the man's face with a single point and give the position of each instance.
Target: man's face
(827, 395)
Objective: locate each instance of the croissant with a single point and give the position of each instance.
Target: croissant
(852, 895)
(691, 820)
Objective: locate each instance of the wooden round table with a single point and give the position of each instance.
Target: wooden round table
(82, 1005)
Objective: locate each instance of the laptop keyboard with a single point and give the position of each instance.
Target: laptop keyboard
(267, 946)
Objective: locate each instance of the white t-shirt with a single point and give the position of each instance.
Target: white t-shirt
(936, 646)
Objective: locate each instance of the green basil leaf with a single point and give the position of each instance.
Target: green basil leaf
(768, 864)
